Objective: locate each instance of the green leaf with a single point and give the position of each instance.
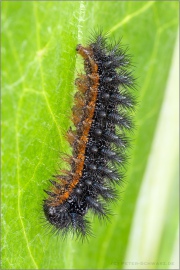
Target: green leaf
(39, 66)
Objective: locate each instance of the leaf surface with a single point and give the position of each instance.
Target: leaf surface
(39, 65)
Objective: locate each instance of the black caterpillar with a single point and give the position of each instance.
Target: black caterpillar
(101, 117)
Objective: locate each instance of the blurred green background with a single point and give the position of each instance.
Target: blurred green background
(39, 65)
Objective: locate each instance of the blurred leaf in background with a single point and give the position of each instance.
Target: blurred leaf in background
(39, 65)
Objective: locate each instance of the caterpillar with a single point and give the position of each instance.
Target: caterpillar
(101, 116)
